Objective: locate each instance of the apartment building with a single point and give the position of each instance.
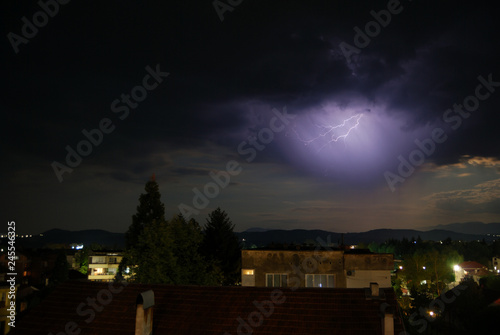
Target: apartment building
(103, 264)
(318, 268)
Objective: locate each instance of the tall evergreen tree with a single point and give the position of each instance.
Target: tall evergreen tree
(61, 268)
(150, 211)
(150, 208)
(152, 259)
(221, 245)
(160, 251)
(193, 269)
(168, 253)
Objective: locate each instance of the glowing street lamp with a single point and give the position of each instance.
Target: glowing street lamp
(456, 268)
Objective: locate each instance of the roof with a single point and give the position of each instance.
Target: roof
(471, 265)
(482, 273)
(495, 303)
(208, 310)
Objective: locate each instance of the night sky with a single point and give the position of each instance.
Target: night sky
(337, 115)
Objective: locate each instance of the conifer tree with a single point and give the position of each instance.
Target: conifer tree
(221, 246)
(150, 208)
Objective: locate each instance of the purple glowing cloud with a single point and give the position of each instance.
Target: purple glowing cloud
(333, 133)
(354, 141)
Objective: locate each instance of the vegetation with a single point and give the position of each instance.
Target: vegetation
(429, 304)
(150, 209)
(61, 269)
(177, 251)
(221, 246)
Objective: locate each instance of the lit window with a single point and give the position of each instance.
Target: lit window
(248, 272)
(320, 280)
(276, 280)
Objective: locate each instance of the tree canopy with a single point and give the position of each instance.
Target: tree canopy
(221, 246)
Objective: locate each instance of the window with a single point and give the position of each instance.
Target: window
(112, 260)
(247, 277)
(320, 280)
(98, 271)
(276, 280)
(98, 260)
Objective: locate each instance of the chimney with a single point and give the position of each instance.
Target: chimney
(374, 290)
(144, 314)
(388, 322)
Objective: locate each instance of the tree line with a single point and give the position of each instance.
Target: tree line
(179, 251)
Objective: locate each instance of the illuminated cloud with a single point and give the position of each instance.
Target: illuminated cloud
(484, 197)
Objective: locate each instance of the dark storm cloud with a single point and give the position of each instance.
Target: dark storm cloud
(187, 171)
(225, 78)
(457, 205)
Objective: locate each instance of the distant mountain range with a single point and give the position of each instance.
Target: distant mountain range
(299, 236)
(87, 237)
(261, 237)
(470, 227)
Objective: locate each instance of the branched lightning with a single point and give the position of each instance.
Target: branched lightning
(333, 133)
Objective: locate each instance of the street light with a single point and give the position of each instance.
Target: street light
(456, 268)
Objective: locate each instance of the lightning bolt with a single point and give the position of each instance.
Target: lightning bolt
(330, 134)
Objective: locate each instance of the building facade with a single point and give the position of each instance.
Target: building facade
(322, 269)
(103, 265)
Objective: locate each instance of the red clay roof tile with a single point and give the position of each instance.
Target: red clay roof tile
(207, 310)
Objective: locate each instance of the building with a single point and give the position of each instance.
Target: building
(495, 262)
(470, 269)
(22, 264)
(319, 268)
(5, 289)
(103, 264)
(129, 309)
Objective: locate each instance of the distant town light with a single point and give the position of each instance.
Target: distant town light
(423, 267)
(431, 313)
(401, 267)
(456, 267)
